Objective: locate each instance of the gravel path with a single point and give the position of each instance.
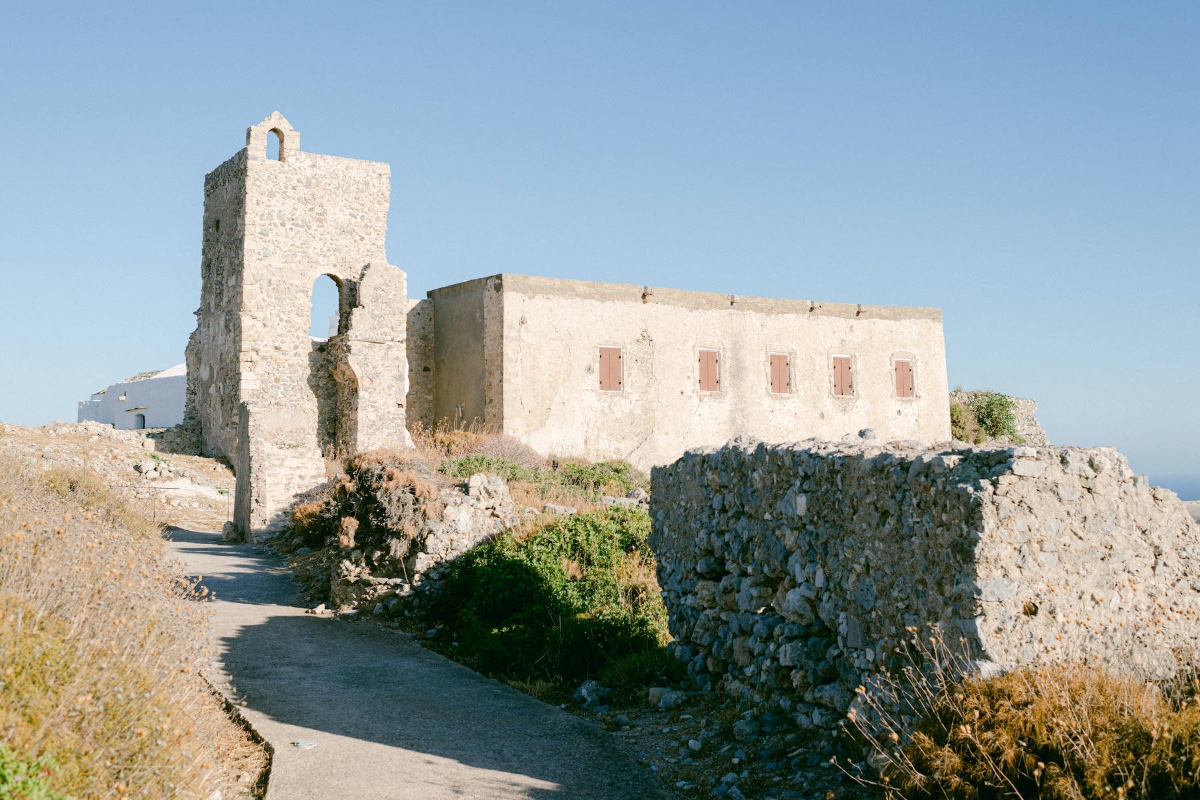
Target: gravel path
(376, 715)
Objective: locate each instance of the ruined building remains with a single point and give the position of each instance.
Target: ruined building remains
(572, 368)
(260, 391)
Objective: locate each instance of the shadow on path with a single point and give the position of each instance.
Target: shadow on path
(389, 719)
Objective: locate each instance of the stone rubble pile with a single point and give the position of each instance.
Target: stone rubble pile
(395, 570)
(794, 574)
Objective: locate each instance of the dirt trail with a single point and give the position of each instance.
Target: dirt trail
(376, 715)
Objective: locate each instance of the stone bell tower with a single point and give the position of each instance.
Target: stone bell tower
(261, 392)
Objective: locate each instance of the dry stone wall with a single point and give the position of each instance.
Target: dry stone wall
(792, 573)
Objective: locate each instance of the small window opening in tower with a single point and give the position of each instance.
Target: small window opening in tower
(275, 145)
(325, 313)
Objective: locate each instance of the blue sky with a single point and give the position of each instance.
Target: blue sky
(1030, 168)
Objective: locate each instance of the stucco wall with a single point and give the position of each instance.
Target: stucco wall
(553, 329)
(420, 364)
(160, 399)
(459, 350)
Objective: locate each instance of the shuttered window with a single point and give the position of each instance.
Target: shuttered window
(710, 371)
(610, 369)
(781, 373)
(904, 383)
(843, 377)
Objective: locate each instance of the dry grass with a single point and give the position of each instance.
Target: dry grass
(537, 495)
(539, 688)
(100, 642)
(1062, 732)
(476, 439)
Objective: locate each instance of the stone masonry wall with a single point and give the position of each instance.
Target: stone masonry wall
(271, 228)
(792, 572)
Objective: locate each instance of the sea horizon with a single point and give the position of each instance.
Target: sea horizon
(1186, 486)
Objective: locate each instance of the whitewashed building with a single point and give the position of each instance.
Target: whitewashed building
(151, 400)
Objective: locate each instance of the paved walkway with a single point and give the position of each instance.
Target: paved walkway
(389, 719)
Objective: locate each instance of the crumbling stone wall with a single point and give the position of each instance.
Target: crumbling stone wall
(257, 393)
(792, 572)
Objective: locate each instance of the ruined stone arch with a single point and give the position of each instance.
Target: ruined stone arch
(331, 378)
(275, 151)
(277, 125)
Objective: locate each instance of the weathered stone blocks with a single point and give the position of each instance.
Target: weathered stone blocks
(795, 573)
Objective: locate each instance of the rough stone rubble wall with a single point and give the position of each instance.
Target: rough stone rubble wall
(792, 572)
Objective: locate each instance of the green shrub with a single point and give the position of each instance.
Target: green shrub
(573, 598)
(20, 780)
(574, 478)
(985, 415)
(994, 413)
(509, 470)
(963, 425)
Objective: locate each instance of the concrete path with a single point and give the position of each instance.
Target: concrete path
(389, 719)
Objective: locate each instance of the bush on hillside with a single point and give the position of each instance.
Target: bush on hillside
(994, 413)
(574, 598)
(963, 425)
(1061, 732)
(987, 415)
(100, 645)
(383, 500)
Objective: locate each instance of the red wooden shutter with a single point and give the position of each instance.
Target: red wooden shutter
(780, 373)
(904, 387)
(710, 377)
(843, 381)
(610, 369)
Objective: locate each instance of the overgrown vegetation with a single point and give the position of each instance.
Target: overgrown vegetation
(987, 415)
(383, 496)
(577, 479)
(550, 603)
(100, 641)
(21, 780)
(1062, 732)
(577, 598)
(460, 452)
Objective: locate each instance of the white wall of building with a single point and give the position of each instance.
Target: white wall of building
(158, 399)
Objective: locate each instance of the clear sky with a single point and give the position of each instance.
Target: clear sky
(1030, 168)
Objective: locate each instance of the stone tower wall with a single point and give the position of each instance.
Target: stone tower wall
(265, 394)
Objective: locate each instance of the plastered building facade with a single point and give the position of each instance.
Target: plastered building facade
(152, 400)
(602, 370)
(572, 368)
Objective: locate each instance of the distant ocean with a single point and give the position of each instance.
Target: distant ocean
(1186, 486)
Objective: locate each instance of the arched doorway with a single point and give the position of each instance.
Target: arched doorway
(325, 312)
